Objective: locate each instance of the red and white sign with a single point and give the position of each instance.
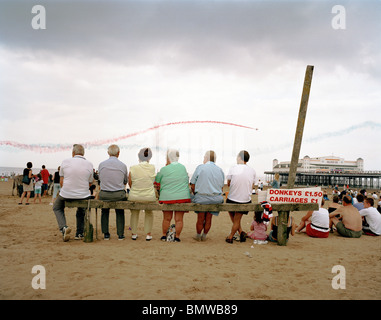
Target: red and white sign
(306, 195)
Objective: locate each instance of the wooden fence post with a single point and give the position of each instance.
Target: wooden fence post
(88, 227)
(283, 215)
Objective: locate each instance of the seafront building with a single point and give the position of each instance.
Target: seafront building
(327, 171)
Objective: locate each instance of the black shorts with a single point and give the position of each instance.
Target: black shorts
(231, 201)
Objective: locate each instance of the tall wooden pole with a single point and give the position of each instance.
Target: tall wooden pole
(283, 215)
(300, 127)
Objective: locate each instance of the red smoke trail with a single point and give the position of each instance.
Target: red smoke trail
(63, 147)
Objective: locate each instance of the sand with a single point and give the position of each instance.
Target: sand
(190, 270)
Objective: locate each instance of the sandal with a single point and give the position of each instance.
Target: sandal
(229, 240)
(243, 236)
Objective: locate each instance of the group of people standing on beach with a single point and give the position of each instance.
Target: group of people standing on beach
(172, 185)
(38, 183)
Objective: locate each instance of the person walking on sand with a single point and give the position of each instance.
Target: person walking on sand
(207, 183)
(45, 178)
(240, 179)
(56, 185)
(113, 180)
(38, 188)
(27, 184)
(76, 176)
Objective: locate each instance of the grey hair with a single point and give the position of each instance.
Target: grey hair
(210, 155)
(113, 150)
(145, 154)
(173, 155)
(78, 149)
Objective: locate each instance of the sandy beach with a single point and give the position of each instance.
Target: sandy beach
(190, 270)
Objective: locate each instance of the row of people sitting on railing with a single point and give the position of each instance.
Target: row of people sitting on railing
(172, 185)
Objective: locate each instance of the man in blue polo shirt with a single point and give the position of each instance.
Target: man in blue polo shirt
(113, 176)
(207, 183)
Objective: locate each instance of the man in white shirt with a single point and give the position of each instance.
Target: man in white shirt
(371, 218)
(76, 176)
(241, 179)
(113, 178)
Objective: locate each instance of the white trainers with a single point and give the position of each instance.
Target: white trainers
(148, 238)
(197, 237)
(260, 241)
(65, 233)
(134, 236)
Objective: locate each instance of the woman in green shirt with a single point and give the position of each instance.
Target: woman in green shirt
(172, 182)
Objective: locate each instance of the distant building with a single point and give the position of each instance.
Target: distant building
(326, 164)
(326, 171)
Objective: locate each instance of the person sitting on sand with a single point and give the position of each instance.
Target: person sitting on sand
(258, 229)
(371, 218)
(241, 180)
(334, 205)
(291, 226)
(113, 180)
(207, 183)
(316, 223)
(172, 182)
(349, 222)
(360, 202)
(76, 176)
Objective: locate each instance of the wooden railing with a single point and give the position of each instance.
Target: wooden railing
(283, 209)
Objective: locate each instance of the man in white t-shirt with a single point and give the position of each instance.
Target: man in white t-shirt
(371, 218)
(76, 176)
(241, 179)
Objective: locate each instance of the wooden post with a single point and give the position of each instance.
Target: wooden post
(88, 228)
(283, 215)
(300, 127)
(282, 227)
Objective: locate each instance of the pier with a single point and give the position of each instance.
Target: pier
(365, 179)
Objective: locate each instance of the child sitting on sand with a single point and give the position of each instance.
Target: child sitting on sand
(258, 228)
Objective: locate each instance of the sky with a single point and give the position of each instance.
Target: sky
(103, 72)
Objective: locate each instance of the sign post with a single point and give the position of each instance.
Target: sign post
(283, 215)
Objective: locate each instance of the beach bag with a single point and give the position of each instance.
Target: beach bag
(171, 233)
(26, 180)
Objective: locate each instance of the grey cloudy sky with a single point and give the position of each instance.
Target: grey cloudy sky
(104, 69)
